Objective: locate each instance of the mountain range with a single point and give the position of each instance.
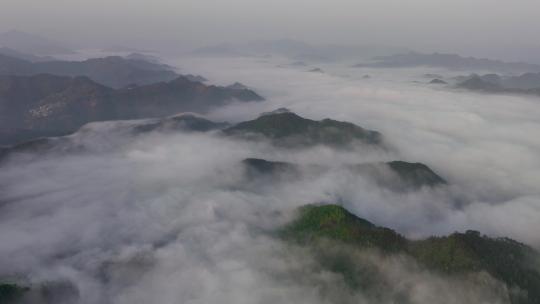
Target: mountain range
(395, 175)
(449, 61)
(287, 129)
(114, 71)
(33, 44)
(528, 83)
(399, 176)
(296, 50)
(49, 105)
(276, 127)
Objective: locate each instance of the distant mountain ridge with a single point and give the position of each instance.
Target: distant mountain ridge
(113, 71)
(450, 61)
(33, 44)
(287, 129)
(108, 104)
(48, 105)
(82, 140)
(297, 50)
(528, 83)
(399, 176)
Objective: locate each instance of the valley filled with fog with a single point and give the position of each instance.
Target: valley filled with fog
(268, 152)
(111, 216)
(484, 144)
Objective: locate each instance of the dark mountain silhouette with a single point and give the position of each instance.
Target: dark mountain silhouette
(528, 83)
(114, 71)
(257, 169)
(525, 81)
(323, 228)
(287, 129)
(12, 293)
(178, 95)
(394, 175)
(416, 174)
(51, 292)
(82, 141)
(48, 105)
(400, 175)
(450, 61)
(14, 66)
(182, 122)
(476, 82)
(492, 78)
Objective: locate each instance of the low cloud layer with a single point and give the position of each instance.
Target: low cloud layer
(170, 218)
(484, 144)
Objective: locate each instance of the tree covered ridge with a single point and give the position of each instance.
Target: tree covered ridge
(290, 129)
(511, 262)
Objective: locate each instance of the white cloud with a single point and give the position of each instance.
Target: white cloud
(168, 218)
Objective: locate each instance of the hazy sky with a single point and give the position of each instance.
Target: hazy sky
(467, 26)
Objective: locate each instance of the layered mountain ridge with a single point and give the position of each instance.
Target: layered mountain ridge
(528, 83)
(449, 61)
(112, 71)
(48, 105)
(287, 129)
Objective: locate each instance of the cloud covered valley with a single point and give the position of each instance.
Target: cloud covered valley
(111, 216)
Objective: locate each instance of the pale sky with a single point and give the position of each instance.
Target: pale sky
(467, 26)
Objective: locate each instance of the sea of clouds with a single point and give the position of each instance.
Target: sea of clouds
(171, 218)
